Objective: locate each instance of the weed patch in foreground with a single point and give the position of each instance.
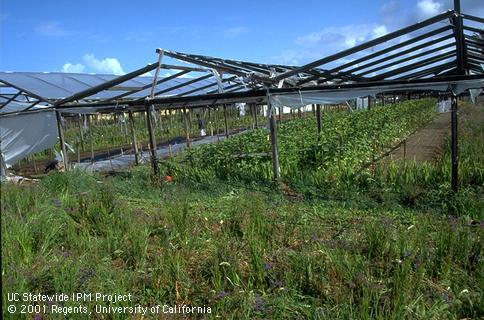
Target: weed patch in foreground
(246, 254)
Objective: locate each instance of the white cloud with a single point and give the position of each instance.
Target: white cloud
(428, 8)
(379, 31)
(336, 37)
(235, 31)
(92, 64)
(50, 29)
(392, 14)
(74, 68)
(330, 40)
(316, 45)
(107, 65)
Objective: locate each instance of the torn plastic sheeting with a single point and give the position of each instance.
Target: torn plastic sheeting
(25, 134)
(462, 86)
(14, 107)
(474, 93)
(303, 98)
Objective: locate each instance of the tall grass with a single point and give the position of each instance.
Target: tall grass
(246, 254)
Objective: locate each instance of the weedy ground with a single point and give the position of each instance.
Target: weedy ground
(400, 246)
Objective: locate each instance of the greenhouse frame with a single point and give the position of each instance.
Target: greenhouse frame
(444, 53)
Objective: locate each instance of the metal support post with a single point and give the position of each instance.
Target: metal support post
(226, 121)
(454, 146)
(318, 118)
(149, 117)
(60, 130)
(91, 138)
(255, 116)
(459, 39)
(133, 137)
(273, 130)
(187, 128)
(81, 134)
(149, 122)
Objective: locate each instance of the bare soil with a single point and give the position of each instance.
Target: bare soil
(425, 144)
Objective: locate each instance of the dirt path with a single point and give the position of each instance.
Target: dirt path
(425, 144)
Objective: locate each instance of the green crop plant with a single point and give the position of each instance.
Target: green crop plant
(347, 143)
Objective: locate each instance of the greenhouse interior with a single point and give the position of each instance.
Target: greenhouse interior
(266, 191)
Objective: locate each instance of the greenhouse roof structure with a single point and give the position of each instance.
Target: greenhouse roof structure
(444, 53)
(447, 47)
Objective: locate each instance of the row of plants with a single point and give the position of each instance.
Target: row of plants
(346, 143)
(338, 164)
(109, 132)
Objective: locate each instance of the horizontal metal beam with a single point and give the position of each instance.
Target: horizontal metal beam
(237, 64)
(207, 86)
(476, 30)
(187, 58)
(106, 85)
(217, 66)
(474, 43)
(226, 88)
(32, 105)
(183, 84)
(476, 54)
(416, 65)
(12, 98)
(413, 57)
(187, 68)
(433, 70)
(173, 76)
(451, 71)
(403, 52)
(257, 96)
(29, 93)
(367, 45)
(198, 89)
(475, 66)
(473, 18)
(477, 58)
(234, 89)
(244, 67)
(14, 113)
(383, 51)
(476, 50)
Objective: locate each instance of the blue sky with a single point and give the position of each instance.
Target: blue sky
(121, 36)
